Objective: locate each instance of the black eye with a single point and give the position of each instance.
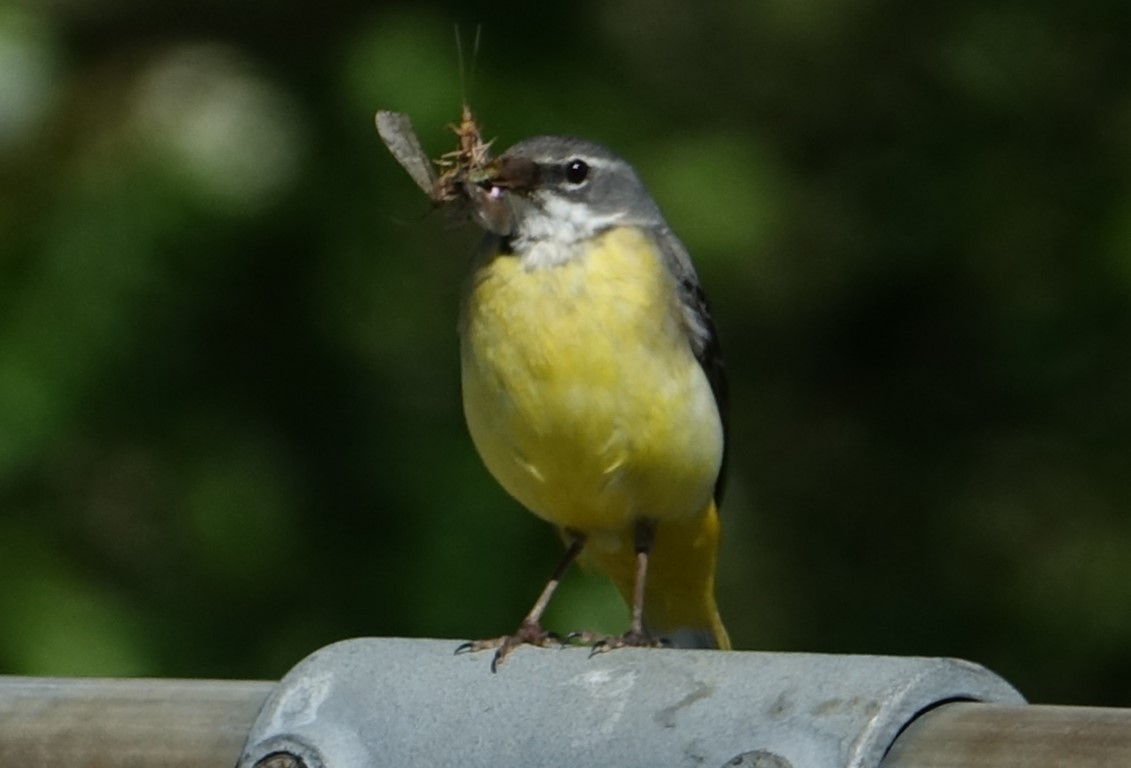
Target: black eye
(576, 171)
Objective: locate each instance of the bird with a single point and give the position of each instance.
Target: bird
(593, 386)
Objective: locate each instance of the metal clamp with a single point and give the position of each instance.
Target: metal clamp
(391, 702)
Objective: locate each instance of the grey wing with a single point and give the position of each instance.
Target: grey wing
(704, 337)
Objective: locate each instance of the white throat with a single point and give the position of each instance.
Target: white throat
(551, 230)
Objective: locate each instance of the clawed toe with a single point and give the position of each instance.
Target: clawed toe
(529, 633)
(627, 640)
(584, 637)
(602, 643)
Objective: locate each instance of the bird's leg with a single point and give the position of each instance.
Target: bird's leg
(530, 631)
(643, 536)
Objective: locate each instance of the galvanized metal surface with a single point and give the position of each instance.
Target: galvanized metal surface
(388, 702)
(1001, 736)
(47, 722)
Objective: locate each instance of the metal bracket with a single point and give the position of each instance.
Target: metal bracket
(392, 702)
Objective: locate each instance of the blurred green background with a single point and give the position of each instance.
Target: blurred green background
(230, 427)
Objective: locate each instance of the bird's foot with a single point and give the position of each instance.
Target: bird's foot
(529, 633)
(602, 643)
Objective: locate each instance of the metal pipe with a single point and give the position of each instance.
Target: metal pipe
(49, 722)
(968, 735)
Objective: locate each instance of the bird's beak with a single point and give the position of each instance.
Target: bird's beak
(517, 174)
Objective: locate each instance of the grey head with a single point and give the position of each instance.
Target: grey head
(563, 189)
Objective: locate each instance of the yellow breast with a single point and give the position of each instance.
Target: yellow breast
(580, 388)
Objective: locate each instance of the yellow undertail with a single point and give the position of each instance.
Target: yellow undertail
(679, 596)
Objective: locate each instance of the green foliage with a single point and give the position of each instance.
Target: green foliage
(230, 427)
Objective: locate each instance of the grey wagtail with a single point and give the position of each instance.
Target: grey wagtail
(593, 384)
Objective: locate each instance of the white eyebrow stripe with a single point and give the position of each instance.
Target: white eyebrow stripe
(592, 162)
